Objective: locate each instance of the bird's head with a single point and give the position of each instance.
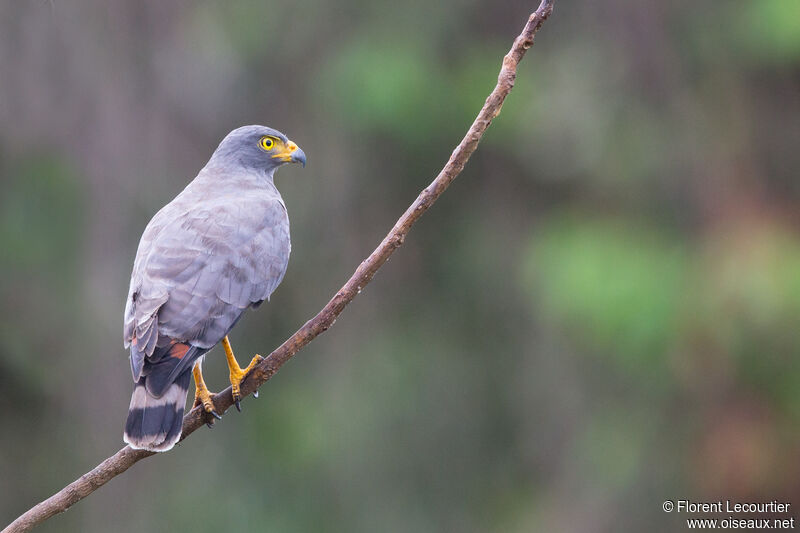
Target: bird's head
(258, 148)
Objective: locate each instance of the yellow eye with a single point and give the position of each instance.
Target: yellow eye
(266, 143)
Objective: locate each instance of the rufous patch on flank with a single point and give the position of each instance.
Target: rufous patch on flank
(178, 350)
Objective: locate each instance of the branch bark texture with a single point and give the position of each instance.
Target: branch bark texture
(127, 457)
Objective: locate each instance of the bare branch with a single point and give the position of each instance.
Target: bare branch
(127, 457)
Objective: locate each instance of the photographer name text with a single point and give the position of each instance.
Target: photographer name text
(728, 506)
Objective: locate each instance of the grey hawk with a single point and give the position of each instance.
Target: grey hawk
(219, 248)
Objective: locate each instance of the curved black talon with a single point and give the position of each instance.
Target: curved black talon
(209, 420)
(238, 405)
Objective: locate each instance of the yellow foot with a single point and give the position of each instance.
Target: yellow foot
(237, 373)
(202, 396)
(237, 376)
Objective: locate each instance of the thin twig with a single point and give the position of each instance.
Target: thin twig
(127, 457)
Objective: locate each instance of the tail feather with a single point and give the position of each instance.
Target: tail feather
(167, 363)
(154, 423)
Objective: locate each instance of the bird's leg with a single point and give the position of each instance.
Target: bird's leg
(202, 396)
(238, 373)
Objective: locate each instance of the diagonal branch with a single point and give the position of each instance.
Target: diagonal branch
(127, 457)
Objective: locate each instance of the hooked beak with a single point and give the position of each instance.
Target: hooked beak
(291, 153)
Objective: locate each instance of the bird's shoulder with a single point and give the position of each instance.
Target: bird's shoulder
(200, 218)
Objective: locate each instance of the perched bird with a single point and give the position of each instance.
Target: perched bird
(219, 248)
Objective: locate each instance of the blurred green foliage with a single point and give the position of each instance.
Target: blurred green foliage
(771, 30)
(620, 285)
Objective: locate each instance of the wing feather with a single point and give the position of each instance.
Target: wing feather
(201, 263)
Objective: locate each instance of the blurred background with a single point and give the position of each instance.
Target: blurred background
(602, 313)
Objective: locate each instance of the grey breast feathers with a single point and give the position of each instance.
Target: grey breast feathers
(201, 262)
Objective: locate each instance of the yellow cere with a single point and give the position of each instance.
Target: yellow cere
(285, 154)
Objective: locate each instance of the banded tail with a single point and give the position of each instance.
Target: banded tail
(155, 416)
